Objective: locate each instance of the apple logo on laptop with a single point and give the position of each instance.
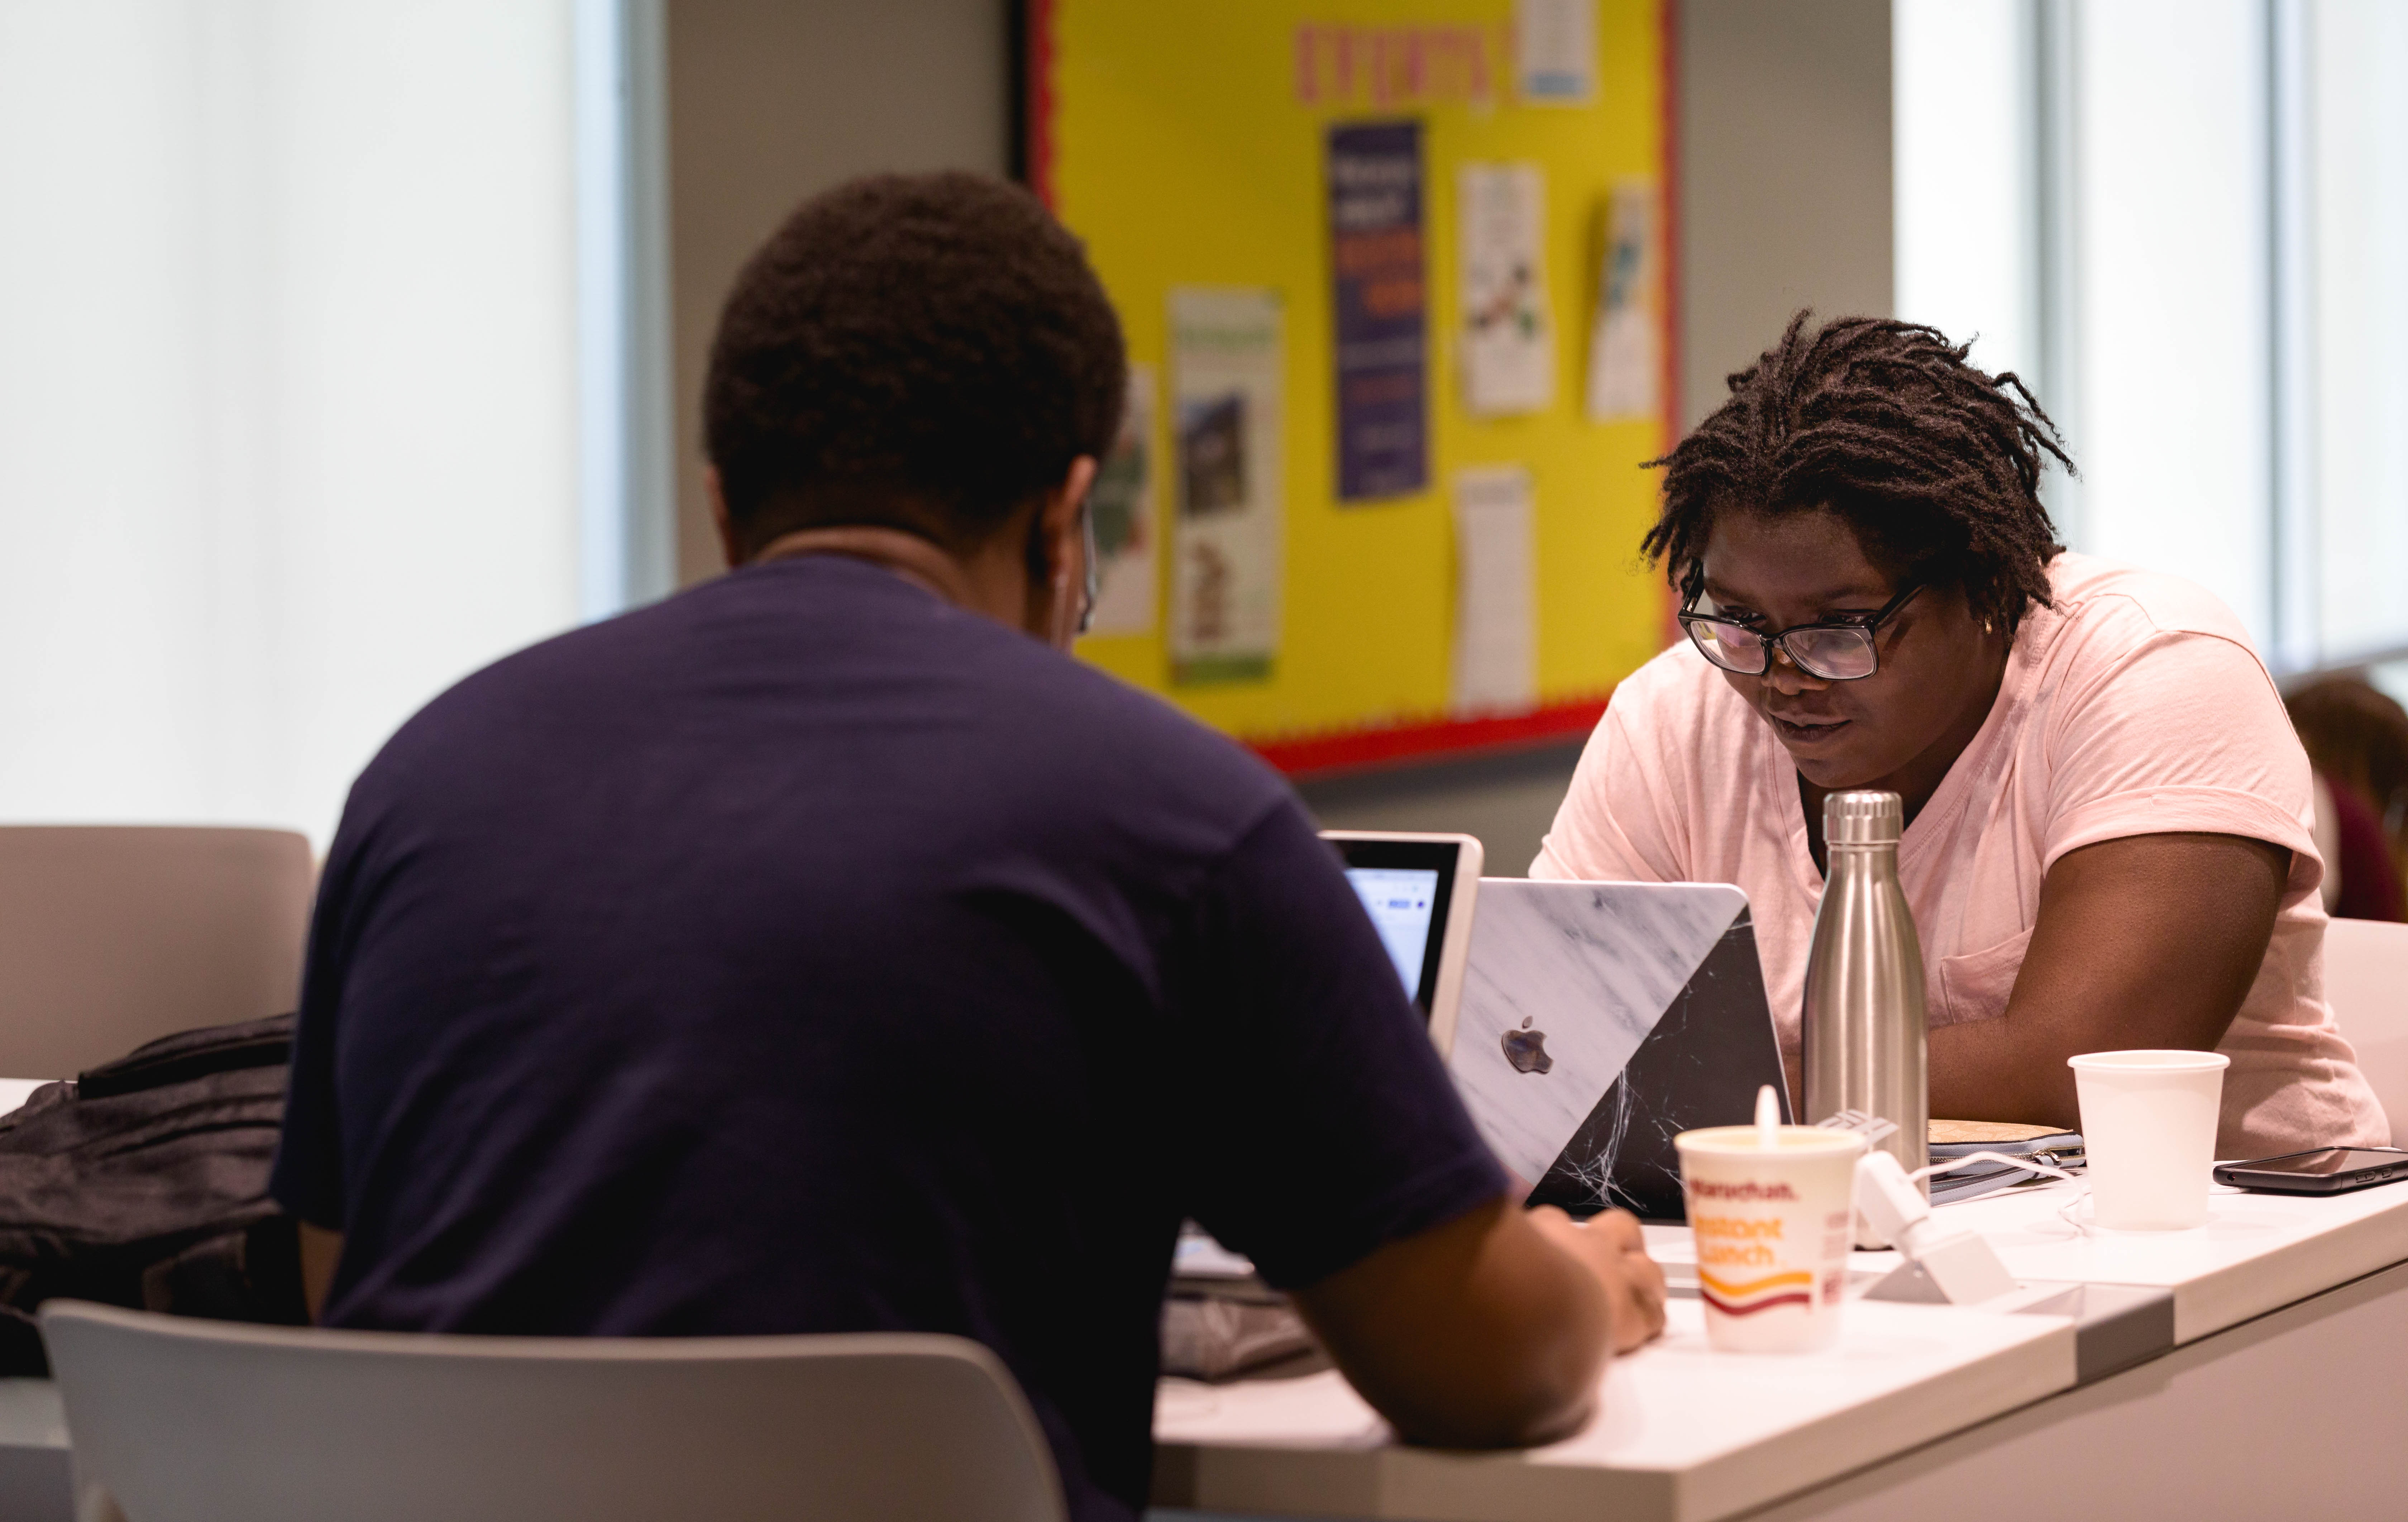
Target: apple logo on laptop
(1526, 1049)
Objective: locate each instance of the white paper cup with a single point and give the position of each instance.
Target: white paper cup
(1772, 1230)
(2148, 1125)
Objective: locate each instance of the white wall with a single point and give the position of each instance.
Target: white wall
(772, 101)
(286, 388)
(1784, 145)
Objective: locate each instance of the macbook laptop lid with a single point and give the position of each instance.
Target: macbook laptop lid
(1419, 891)
(1598, 1021)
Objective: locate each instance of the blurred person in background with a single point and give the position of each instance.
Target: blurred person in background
(2356, 738)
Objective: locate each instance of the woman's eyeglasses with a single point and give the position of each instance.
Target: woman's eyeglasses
(1832, 652)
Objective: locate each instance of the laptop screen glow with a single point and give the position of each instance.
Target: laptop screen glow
(1399, 901)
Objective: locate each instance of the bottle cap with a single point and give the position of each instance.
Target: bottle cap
(1865, 817)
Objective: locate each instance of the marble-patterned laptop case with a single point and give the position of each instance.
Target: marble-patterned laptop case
(1599, 1019)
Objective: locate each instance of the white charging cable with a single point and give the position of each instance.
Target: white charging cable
(2064, 1212)
(2024, 1163)
(1960, 1263)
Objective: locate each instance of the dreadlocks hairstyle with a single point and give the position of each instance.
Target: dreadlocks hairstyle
(1934, 464)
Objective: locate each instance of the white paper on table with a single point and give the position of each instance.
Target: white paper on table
(1624, 355)
(1228, 349)
(1509, 348)
(1121, 502)
(1495, 612)
(1554, 52)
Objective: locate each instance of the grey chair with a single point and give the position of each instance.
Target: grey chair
(2366, 983)
(177, 1420)
(111, 936)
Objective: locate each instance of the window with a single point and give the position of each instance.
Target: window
(289, 388)
(2357, 161)
(2185, 223)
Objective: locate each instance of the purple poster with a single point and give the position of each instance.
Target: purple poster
(1379, 294)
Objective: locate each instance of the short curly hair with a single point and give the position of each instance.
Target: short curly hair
(1935, 463)
(926, 352)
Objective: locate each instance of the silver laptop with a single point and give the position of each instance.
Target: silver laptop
(1600, 1019)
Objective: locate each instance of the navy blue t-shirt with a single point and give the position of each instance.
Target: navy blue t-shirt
(803, 954)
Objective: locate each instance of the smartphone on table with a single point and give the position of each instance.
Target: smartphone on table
(2326, 1171)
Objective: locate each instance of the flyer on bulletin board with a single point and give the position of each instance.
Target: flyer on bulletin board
(1496, 665)
(1380, 303)
(1626, 354)
(1555, 48)
(1227, 352)
(1509, 348)
(1120, 508)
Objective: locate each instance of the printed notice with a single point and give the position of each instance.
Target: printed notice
(1495, 612)
(1625, 359)
(1122, 507)
(1554, 52)
(1508, 350)
(1382, 308)
(1227, 350)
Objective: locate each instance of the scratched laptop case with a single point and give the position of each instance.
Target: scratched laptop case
(1651, 1003)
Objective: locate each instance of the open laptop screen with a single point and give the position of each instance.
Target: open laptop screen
(1397, 898)
(1405, 886)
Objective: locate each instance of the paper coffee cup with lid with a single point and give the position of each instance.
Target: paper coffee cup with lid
(1772, 1210)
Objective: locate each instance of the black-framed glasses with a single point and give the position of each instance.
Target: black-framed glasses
(1094, 590)
(1839, 650)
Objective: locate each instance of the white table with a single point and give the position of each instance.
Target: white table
(2257, 1366)
(2254, 1367)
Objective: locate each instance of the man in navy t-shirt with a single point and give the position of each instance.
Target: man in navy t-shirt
(822, 949)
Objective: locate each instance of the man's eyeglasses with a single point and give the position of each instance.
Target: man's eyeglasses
(1839, 650)
(1095, 587)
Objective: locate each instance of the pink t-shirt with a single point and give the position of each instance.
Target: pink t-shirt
(2135, 707)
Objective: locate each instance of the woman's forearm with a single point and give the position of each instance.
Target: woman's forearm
(2151, 940)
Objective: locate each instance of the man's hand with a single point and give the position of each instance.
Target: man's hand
(1489, 1331)
(1611, 1246)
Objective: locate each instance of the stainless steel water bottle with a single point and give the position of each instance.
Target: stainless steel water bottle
(1862, 1026)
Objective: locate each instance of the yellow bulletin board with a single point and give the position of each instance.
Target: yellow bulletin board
(1185, 141)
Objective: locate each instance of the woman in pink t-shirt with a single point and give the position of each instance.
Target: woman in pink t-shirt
(2108, 814)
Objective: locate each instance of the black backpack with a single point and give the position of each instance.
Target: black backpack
(143, 1184)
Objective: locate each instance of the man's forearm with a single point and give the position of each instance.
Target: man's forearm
(1483, 1333)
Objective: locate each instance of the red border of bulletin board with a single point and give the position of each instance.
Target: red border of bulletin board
(1398, 736)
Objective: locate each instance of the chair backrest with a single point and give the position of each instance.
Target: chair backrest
(2366, 982)
(111, 936)
(177, 1420)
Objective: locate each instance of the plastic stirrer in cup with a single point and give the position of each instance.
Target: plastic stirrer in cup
(1768, 1209)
